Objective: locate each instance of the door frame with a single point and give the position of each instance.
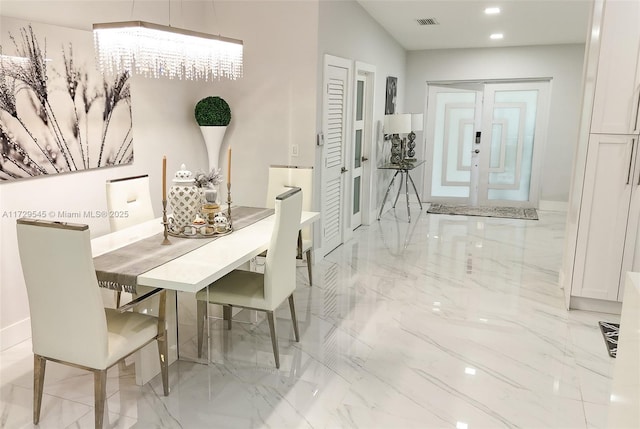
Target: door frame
(541, 129)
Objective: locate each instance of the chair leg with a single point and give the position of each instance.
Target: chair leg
(163, 354)
(226, 315)
(118, 294)
(293, 318)
(100, 392)
(39, 366)
(201, 315)
(309, 267)
(274, 338)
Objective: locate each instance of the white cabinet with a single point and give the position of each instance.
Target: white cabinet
(604, 206)
(607, 226)
(617, 95)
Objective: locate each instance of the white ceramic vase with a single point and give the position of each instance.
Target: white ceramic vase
(213, 136)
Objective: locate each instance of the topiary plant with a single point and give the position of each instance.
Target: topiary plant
(212, 111)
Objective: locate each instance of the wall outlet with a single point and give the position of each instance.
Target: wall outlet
(294, 150)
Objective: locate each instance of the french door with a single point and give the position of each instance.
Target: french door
(359, 138)
(485, 141)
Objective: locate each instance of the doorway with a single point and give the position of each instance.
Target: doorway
(485, 142)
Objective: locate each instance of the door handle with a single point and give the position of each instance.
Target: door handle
(364, 158)
(633, 143)
(343, 170)
(636, 125)
(636, 163)
(477, 151)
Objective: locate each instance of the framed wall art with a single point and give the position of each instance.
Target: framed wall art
(392, 93)
(58, 114)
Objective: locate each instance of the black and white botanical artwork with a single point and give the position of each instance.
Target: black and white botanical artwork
(58, 113)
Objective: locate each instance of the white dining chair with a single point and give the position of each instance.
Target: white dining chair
(129, 203)
(284, 176)
(261, 291)
(69, 324)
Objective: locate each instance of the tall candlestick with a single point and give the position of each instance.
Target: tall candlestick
(164, 178)
(229, 165)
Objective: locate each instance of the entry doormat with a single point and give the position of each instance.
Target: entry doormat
(504, 212)
(610, 333)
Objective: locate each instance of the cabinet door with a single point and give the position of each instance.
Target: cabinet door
(615, 108)
(631, 257)
(604, 212)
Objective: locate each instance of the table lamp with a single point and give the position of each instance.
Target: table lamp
(416, 125)
(395, 125)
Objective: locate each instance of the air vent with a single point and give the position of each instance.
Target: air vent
(427, 21)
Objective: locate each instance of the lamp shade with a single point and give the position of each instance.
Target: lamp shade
(397, 124)
(416, 122)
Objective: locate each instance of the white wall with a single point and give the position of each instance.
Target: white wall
(273, 106)
(346, 30)
(562, 63)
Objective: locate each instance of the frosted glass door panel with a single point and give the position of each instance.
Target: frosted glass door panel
(513, 136)
(513, 133)
(453, 139)
(486, 144)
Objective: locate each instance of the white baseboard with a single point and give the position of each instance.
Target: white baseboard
(15, 334)
(597, 305)
(553, 206)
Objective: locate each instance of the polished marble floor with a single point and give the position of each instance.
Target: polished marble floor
(447, 322)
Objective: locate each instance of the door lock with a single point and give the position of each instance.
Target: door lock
(477, 151)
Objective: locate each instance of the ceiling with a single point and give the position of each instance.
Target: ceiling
(463, 23)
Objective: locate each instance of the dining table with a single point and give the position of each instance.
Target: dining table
(186, 272)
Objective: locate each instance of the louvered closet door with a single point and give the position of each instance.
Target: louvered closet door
(334, 130)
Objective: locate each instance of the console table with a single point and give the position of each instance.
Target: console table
(403, 170)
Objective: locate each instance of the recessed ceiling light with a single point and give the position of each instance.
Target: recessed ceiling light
(496, 36)
(492, 10)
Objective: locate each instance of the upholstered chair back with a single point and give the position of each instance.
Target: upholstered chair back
(282, 176)
(280, 266)
(68, 319)
(129, 200)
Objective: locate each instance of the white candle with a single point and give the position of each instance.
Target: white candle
(164, 178)
(229, 165)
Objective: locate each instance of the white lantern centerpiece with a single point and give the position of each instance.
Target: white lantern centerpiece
(185, 199)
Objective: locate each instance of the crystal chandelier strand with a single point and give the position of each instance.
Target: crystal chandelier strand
(155, 51)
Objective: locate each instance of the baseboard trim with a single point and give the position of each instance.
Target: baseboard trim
(597, 305)
(15, 334)
(553, 206)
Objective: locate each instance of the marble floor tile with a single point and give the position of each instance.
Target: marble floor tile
(444, 322)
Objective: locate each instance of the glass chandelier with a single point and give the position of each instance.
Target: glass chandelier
(154, 50)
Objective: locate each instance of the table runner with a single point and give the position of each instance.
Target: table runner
(120, 268)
